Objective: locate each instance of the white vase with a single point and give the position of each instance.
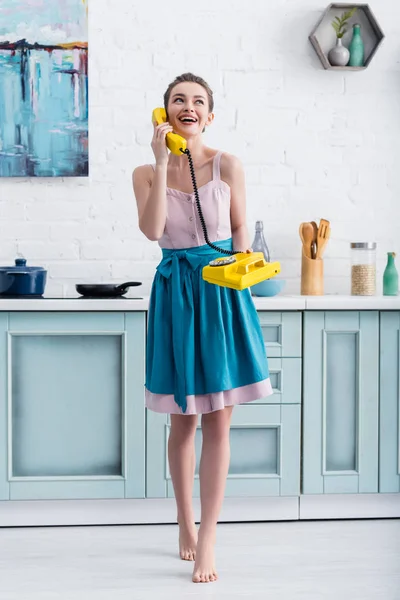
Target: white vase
(339, 56)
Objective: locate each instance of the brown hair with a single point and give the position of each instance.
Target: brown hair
(192, 79)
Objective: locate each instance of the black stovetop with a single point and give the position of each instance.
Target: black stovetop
(32, 297)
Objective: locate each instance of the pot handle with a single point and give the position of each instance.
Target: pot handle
(123, 286)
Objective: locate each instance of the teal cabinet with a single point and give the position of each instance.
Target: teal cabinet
(73, 422)
(265, 452)
(265, 434)
(389, 422)
(72, 405)
(340, 402)
(4, 484)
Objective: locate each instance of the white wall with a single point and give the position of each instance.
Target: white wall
(314, 143)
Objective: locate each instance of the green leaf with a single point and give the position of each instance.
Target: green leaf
(347, 15)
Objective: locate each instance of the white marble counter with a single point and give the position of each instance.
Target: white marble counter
(336, 302)
(277, 303)
(328, 302)
(77, 304)
(280, 302)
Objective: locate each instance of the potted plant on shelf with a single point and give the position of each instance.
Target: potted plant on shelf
(339, 56)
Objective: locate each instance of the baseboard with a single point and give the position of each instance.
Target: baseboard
(350, 506)
(30, 513)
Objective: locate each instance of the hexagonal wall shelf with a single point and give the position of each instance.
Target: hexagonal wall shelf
(323, 37)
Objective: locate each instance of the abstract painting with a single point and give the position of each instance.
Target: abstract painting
(43, 88)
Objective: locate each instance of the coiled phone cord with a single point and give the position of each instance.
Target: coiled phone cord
(202, 221)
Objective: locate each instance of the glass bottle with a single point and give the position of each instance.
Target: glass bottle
(259, 244)
(390, 277)
(356, 48)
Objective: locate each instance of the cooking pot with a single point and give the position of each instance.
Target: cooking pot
(21, 280)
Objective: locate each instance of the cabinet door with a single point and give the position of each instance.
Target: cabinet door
(4, 485)
(340, 402)
(389, 438)
(265, 452)
(73, 406)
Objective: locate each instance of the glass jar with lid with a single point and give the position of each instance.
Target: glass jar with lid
(363, 268)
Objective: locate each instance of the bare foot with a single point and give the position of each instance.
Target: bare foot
(187, 542)
(204, 569)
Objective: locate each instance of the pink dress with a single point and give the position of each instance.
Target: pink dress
(183, 230)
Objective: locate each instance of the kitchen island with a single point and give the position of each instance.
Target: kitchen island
(77, 445)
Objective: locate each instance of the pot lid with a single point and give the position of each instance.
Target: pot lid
(20, 265)
(363, 245)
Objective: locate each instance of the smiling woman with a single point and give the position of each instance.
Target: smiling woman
(205, 350)
(206, 97)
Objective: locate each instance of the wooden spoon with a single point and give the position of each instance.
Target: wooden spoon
(306, 232)
(324, 233)
(314, 245)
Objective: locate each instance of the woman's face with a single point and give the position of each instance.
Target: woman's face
(188, 109)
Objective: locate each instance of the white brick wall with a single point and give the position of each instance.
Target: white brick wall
(314, 143)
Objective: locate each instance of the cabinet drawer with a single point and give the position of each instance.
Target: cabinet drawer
(265, 452)
(285, 375)
(282, 333)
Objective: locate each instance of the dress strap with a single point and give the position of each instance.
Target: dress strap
(216, 166)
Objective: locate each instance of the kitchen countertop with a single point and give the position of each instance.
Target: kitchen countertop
(277, 303)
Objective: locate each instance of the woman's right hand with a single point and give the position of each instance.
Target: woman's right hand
(158, 142)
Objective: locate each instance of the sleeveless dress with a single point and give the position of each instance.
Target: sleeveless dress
(205, 348)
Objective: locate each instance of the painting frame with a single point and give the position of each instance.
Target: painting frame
(44, 91)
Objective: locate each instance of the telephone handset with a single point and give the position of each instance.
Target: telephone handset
(241, 269)
(176, 143)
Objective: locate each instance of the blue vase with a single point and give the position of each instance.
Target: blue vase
(356, 48)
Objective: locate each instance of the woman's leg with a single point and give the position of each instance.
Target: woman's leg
(214, 466)
(182, 463)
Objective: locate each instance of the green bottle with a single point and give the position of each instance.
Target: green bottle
(390, 277)
(356, 48)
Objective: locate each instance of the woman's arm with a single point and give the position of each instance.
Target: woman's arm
(233, 174)
(151, 199)
(151, 189)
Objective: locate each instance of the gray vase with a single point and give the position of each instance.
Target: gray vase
(339, 56)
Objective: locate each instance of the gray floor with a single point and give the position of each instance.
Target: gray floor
(293, 560)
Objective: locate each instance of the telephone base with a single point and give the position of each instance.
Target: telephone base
(246, 270)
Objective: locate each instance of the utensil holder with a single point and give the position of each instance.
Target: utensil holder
(312, 276)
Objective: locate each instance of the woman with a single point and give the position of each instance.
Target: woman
(205, 350)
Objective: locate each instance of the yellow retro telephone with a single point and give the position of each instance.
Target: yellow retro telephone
(239, 270)
(176, 143)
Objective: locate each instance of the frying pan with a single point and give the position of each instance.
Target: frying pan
(104, 290)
